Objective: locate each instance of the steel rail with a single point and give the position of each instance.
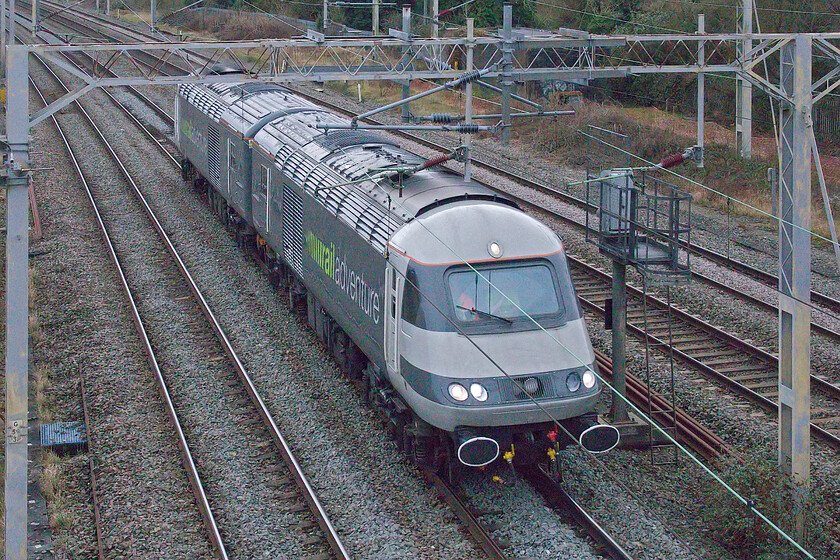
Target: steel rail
(94, 491)
(559, 499)
(188, 461)
(490, 547)
(314, 504)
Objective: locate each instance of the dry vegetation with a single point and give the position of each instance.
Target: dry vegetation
(238, 27)
(772, 493)
(53, 479)
(652, 135)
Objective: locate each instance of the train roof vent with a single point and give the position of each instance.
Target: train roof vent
(203, 100)
(336, 139)
(250, 88)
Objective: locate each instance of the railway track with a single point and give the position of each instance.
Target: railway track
(740, 366)
(94, 490)
(293, 495)
(202, 501)
(555, 496)
(560, 500)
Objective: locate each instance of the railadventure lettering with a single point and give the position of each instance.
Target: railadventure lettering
(194, 134)
(348, 280)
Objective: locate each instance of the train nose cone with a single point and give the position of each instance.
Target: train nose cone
(478, 451)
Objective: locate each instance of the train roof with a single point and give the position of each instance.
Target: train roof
(339, 167)
(471, 227)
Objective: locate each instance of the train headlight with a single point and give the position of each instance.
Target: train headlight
(495, 249)
(573, 382)
(588, 379)
(458, 392)
(478, 392)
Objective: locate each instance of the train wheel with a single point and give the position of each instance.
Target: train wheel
(454, 471)
(297, 299)
(409, 444)
(340, 350)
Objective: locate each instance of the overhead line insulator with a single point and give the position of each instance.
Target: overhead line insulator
(444, 118)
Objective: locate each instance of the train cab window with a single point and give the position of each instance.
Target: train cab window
(530, 287)
(265, 177)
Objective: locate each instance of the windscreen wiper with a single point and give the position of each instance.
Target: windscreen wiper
(485, 314)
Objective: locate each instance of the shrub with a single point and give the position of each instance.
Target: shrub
(759, 480)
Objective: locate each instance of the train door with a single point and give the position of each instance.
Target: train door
(393, 288)
(259, 197)
(232, 167)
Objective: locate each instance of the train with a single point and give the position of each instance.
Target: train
(450, 307)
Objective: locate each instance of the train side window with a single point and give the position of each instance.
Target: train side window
(412, 307)
(265, 177)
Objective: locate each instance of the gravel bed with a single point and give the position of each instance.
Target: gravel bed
(518, 517)
(88, 333)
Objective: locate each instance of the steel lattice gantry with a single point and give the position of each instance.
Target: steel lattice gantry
(516, 56)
